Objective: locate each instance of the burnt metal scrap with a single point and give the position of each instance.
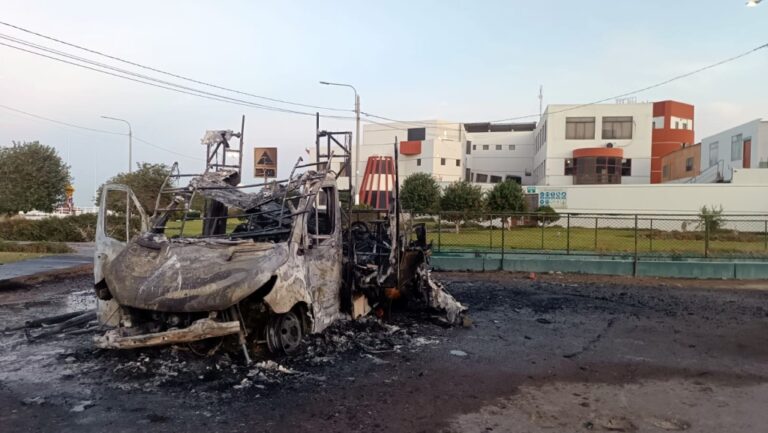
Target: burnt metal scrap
(269, 266)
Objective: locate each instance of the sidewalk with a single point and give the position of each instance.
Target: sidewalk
(83, 255)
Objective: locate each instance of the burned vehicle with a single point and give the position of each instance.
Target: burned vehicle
(267, 266)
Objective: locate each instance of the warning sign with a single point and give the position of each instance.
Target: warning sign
(265, 162)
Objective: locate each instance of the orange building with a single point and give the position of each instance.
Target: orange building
(672, 130)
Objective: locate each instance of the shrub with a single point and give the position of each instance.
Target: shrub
(711, 219)
(545, 215)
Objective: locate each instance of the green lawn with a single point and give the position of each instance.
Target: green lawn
(601, 241)
(6, 257)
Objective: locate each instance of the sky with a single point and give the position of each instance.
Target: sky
(455, 60)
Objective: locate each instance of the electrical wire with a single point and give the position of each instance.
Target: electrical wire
(164, 84)
(100, 131)
(170, 74)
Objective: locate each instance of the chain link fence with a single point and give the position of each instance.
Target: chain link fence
(662, 235)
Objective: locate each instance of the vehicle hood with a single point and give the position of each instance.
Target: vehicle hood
(193, 276)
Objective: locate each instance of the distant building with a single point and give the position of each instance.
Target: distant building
(588, 144)
(741, 147)
(681, 165)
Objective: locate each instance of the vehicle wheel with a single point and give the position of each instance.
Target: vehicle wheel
(284, 333)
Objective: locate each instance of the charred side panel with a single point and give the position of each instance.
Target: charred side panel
(192, 277)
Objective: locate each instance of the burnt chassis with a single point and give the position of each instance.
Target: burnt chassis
(292, 266)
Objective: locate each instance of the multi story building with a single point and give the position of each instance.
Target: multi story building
(672, 131)
(571, 145)
(593, 144)
(496, 152)
(743, 146)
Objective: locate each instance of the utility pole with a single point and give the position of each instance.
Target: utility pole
(130, 141)
(354, 158)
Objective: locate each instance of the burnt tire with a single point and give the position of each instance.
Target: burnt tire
(285, 333)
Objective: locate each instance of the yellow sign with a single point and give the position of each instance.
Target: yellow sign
(265, 162)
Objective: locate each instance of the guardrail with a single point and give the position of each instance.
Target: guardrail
(638, 235)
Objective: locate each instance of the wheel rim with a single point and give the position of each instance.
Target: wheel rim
(285, 333)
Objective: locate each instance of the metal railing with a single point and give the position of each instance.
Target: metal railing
(637, 235)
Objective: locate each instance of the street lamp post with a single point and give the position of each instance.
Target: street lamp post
(355, 158)
(130, 141)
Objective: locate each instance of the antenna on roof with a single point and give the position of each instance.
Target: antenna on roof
(541, 100)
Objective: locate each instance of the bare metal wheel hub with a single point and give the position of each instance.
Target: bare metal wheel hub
(284, 333)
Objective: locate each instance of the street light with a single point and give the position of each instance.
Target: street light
(355, 158)
(130, 141)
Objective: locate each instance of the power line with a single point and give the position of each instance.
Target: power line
(170, 74)
(100, 131)
(625, 94)
(165, 84)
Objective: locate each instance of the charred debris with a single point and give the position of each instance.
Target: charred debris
(268, 267)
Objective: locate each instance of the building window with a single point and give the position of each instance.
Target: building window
(458, 163)
(469, 147)
(689, 164)
(474, 147)
(495, 179)
(597, 170)
(468, 175)
(677, 124)
(617, 128)
(418, 162)
(713, 153)
(737, 147)
(579, 128)
(626, 167)
(511, 147)
(498, 147)
(442, 161)
(486, 147)
(481, 178)
(570, 165)
(417, 134)
(665, 172)
(517, 179)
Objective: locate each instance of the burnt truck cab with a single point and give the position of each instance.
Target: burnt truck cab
(268, 264)
(158, 289)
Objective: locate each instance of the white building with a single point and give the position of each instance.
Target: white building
(741, 147)
(431, 146)
(594, 144)
(496, 152)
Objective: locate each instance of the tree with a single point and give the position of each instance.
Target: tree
(420, 193)
(545, 215)
(711, 219)
(506, 197)
(32, 176)
(461, 199)
(145, 182)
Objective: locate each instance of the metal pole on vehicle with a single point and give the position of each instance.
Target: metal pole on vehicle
(130, 141)
(356, 155)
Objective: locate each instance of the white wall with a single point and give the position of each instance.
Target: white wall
(502, 162)
(755, 129)
(557, 148)
(657, 198)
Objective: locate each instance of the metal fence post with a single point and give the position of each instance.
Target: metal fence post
(568, 235)
(543, 224)
(503, 229)
(595, 234)
(490, 237)
(439, 229)
(766, 234)
(636, 236)
(706, 236)
(651, 236)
